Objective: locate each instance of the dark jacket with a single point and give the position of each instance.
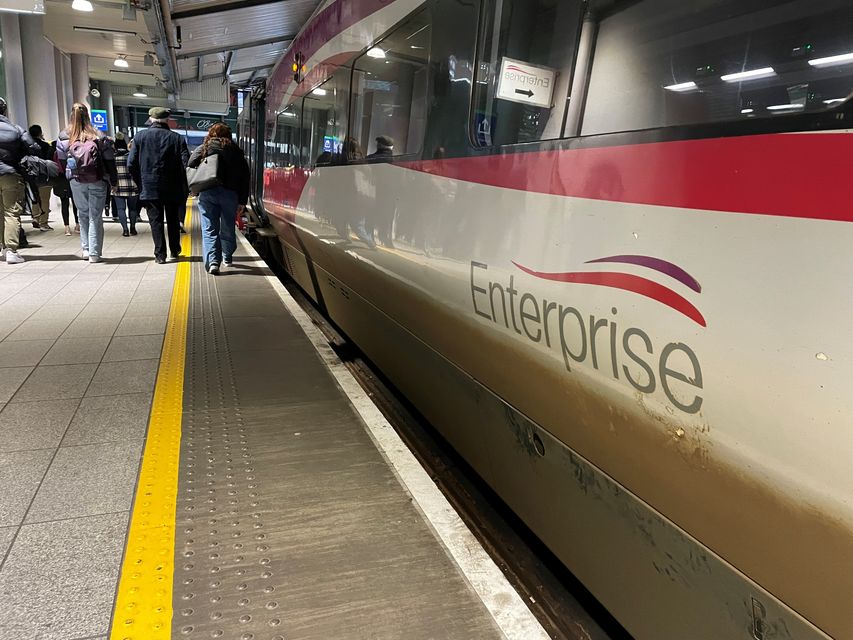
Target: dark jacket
(15, 143)
(383, 154)
(233, 170)
(157, 162)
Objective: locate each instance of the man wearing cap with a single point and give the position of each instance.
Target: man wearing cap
(157, 162)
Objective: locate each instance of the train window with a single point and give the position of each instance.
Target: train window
(282, 146)
(390, 88)
(668, 62)
(524, 67)
(324, 120)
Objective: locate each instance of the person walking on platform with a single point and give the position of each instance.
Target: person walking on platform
(89, 164)
(157, 162)
(62, 189)
(221, 204)
(41, 209)
(15, 143)
(125, 192)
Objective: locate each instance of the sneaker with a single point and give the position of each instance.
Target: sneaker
(85, 254)
(12, 257)
(95, 259)
(213, 269)
(160, 260)
(176, 256)
(45, 227)
(67, 230)
(76, 228)
(132, 231)
(125, 234)
(228, 262)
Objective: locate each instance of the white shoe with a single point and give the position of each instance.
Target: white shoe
(13, 257)
(213, 269)
(95, 259)
(85, 254)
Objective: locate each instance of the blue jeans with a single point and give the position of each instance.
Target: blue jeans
(90, 198)
(125, 205)
(218, 208)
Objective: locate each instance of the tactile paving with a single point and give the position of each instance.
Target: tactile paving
(290, 524)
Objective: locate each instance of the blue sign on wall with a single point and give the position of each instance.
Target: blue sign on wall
(99, 119)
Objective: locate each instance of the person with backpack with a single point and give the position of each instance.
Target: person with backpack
(41, 209)
(89, 164)
(157, 162)
(15, 143)
(220, 203)
(62, 189)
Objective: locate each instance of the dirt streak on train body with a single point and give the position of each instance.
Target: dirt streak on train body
(565, 329)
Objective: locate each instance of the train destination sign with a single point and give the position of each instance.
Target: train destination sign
(526, 83)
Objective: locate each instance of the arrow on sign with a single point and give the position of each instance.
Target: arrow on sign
(527, 93)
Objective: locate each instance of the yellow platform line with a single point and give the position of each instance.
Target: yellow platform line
(143, 607)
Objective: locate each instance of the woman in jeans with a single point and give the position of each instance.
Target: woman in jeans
(220, 205)
(125, 192)
(90, 183)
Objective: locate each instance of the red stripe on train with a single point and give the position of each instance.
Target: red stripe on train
(797, 175)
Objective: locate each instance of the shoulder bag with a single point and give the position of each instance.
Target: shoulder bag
(205, 176)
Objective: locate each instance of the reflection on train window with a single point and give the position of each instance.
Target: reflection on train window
(524, 68)
(324, 114)
(390, 88)
(283, 142)
(669, 62)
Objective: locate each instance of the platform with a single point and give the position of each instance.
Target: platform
(181, 456)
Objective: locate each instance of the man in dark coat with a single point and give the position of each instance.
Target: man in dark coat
(157, 162)
(15, 143)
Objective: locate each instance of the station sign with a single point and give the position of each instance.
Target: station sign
(99, 119)
(526, 83)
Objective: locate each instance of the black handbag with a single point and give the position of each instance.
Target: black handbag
(205, 176)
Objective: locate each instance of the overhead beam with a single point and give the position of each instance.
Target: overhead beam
(218, 7)
(236, 46)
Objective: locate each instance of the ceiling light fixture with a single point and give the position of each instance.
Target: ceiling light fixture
(140, 93)
(835, 100)
(684, 86)
(764, 72)
(121, 61)
(376, 52)
(319, 92)
(82, 5)
(785, 107)
(108, 32)
(747, 110)
(844, 58)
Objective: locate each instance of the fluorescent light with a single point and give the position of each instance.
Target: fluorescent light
(376, 52)
(319, 92)
(747, 110)
(749, 75)
(844, 58)
(835, 100)
(108, 32)
(684, 86)
(785, 107)
(82, 5)
(121, 61)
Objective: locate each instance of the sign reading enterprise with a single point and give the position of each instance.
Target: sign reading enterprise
(526, 83)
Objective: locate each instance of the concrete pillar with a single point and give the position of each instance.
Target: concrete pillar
(68, 86)
(80, 78)
(107, 104)
(16, 92)
(40, 76)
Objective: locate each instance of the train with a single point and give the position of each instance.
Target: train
(604, 247)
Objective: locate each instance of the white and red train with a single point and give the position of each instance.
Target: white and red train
(606, 248)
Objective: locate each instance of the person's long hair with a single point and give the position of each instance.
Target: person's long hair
(80, 127)
(219, 131)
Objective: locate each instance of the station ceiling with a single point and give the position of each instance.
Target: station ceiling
(237, 40)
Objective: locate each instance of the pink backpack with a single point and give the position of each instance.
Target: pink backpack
(87, 165)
